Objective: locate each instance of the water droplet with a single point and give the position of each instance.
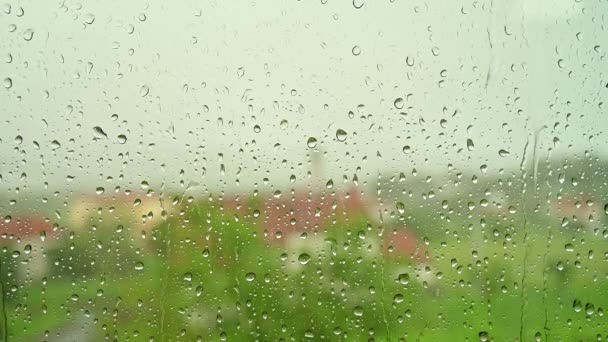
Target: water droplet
(122, 138)
(7, 82)
(99, 133)
(407, 149)
(257, 129)
(398, 103)
(139, 266)
(358, 311)
(341, 135)
(55, 145)
(100, 190)
(409, 61)
(89, 18)
(358, 3)
(470, 145)
(503, 153)
(19, 140)
(577, 305)
(250, 276)
(403, 278)
(401, 207)
(144, 91)
(284, 124)
(304, 258)
(484, 336)
(312, 142)
(356, 50)
(188, 276)
(28, 35)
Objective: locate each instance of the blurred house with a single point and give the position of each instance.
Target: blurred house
(28, 237)
(584, 211)
(138, 213)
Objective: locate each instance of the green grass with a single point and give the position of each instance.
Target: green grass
(477, 285)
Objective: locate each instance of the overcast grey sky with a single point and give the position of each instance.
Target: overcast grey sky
(186, 81)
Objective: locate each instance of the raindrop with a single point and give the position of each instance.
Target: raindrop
(341, 135)
(401, 207)
(358, 3)
(356, 50)
(398, 103)
(7, 83)
(358, 311)
(19, 140)
(139, 266)
(122, 138)
(470, 145)
(55, 145)
(407, 149)
(89, 18)
(100, 190)
(28, 35)
(409, 61)
(144, 90)
(250, 277)
(284, 124)
(503, 153)
(312, 142)
(304, 258)
(99, 133)
(403, 278)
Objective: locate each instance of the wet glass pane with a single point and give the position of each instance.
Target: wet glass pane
(316, 170)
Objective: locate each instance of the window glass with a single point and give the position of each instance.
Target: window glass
(303, 170)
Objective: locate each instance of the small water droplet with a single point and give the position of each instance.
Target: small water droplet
(470, 145)
(55, 145)
(312, 142)
(89, 18)
(144, 91)
(356, 50)
(403, 278)
(99, 133)
(358, 3)
(409, 61)
(503, 153)
(250, 276)
(398, 103)
(341, 135)
(139, 266)
(7, 82)
(28, 35)
(304, 258)
(358, 311)
(122, 138)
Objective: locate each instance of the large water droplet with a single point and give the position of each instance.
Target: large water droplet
(7, 82)
(312, 142)
(398, 103)
(341, 135)
(99, 133)
(304, 258)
